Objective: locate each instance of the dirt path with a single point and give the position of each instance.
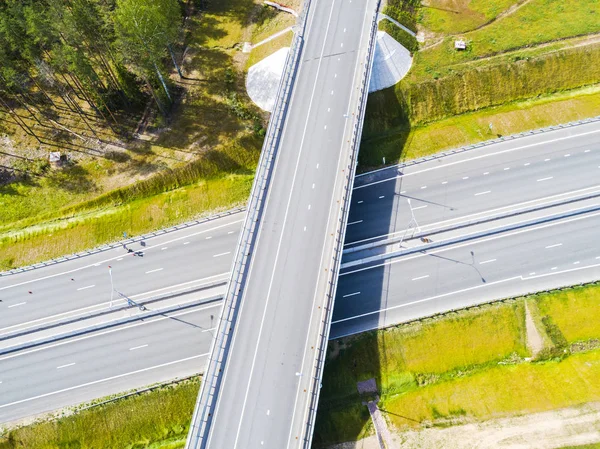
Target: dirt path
(572, 426)
(535, 342)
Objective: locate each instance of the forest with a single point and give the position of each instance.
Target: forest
(72, 67)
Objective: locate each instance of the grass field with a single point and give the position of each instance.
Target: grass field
(460, 367)
(520, 54)
(203, 160)
(536, 22)
(404, 358)
(455, 16)
(403, 142)
(86, 230)
(158, 419)
(501, 390)
(575, 311)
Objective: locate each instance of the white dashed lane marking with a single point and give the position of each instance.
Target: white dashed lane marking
(17, 305)
(351, 294)
(420, 277)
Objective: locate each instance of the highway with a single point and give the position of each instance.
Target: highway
(539, 172)
(264, 396)
(388, 294)
(559, 253)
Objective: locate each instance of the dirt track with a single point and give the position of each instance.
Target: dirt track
(548, 430)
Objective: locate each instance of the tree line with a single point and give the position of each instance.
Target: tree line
(95, 59)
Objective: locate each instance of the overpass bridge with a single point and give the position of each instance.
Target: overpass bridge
(261, 386)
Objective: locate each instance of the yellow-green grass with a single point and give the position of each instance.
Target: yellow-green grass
(501, 391)
(584, 446)
(269, 21)
(404, 143)
(267, 49)
(87, 230)
(224, 23)
(395, 357)
(158, 419)
(576, 311)
(213, 140)
(536, 22)
(452, 16)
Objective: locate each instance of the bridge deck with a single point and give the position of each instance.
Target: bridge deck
(266, 390)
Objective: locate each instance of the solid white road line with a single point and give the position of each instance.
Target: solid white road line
(487, 261)
(154, 271)
(483, 193)
(95, 382)
(138, 347)
(351, 294)
(554, 246)
(545, 179)
(222, 254)
(17, 305)
(85, 288)
(419, 207)
(65, 366)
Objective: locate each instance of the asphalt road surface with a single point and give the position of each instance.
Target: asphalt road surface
(547, 167)
(545, 256)
(266, 385)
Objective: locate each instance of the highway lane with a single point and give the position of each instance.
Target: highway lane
(559, 253)
(539, 257)
(198, 255)
(266, 387)
(498, 177)
(378, 209)
(106, 362)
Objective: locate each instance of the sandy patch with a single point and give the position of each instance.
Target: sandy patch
(571, 426)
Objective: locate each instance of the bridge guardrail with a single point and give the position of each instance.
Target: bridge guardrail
(218, 354)
(339, 243)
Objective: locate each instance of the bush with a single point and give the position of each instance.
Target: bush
(480, 88)
(406, 40)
